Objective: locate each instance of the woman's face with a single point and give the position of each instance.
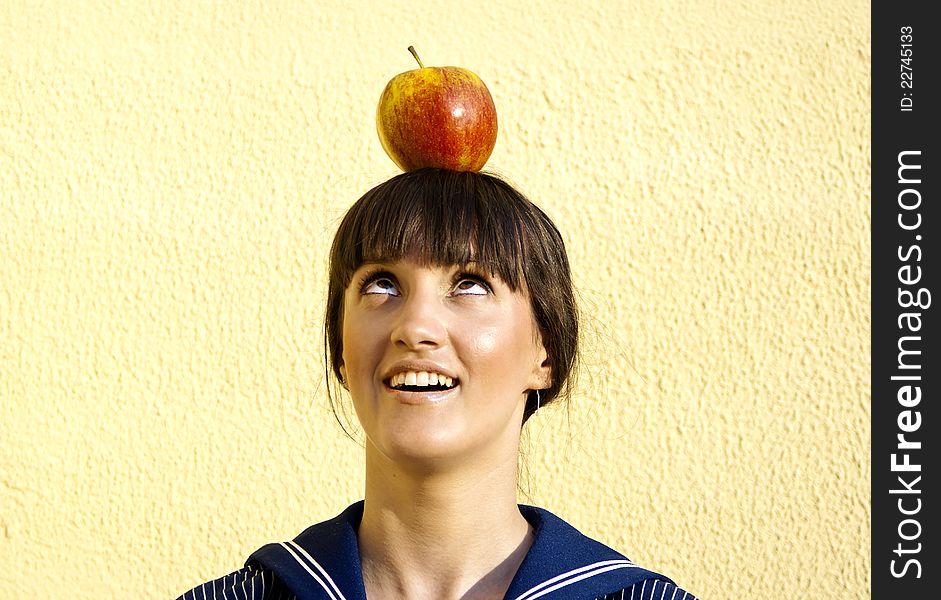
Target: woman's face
(406, 321)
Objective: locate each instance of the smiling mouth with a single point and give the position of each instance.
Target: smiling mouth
(421, 388)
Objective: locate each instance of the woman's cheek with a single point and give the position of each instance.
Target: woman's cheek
(486, 342)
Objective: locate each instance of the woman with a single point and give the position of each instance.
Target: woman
(450, 321)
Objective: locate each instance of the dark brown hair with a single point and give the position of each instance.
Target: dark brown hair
(443, 217)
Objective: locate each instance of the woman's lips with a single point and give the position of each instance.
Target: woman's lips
(432, 397)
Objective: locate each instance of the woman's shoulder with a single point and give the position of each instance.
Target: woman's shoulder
(253, 583)
(248, 583)
(562, 563)
(576, 566)
(651, 589)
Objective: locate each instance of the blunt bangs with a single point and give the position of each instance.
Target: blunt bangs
(437, 217)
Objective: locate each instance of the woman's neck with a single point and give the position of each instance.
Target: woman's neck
(455, 534)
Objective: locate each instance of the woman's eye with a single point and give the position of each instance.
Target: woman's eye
(379, 285)
(471, 286)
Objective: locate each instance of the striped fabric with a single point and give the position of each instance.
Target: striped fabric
(245, 584)
(651, 590)
(260, 584)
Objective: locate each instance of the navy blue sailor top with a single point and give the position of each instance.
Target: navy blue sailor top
(322, 563)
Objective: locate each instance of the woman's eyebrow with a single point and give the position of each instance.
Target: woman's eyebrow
(471, 264)
(479, 267)
(374, 263)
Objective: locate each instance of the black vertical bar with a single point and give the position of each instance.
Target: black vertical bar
(905, 366)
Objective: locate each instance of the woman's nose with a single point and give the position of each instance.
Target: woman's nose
(420, 322)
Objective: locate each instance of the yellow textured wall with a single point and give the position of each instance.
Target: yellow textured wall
(171, 174)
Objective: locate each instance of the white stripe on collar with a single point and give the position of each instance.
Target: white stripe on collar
(592, 570)
(339, 595)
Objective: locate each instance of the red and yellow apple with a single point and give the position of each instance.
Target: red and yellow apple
(437, 117)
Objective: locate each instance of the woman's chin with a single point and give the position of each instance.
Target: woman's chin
(429, 436)
(421, 446)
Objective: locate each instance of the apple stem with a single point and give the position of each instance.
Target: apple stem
(415, 54)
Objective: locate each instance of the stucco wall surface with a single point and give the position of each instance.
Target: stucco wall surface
(171, 174)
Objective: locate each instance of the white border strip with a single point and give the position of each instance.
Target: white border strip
(323, 571)
(306, 568)
(599, 567)
(580, 577)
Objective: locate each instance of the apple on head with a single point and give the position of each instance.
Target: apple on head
(437, 117)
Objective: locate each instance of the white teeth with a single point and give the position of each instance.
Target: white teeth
(420, 378)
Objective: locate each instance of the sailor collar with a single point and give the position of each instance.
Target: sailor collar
(322, 563)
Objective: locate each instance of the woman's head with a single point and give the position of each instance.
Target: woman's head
(438, 217)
